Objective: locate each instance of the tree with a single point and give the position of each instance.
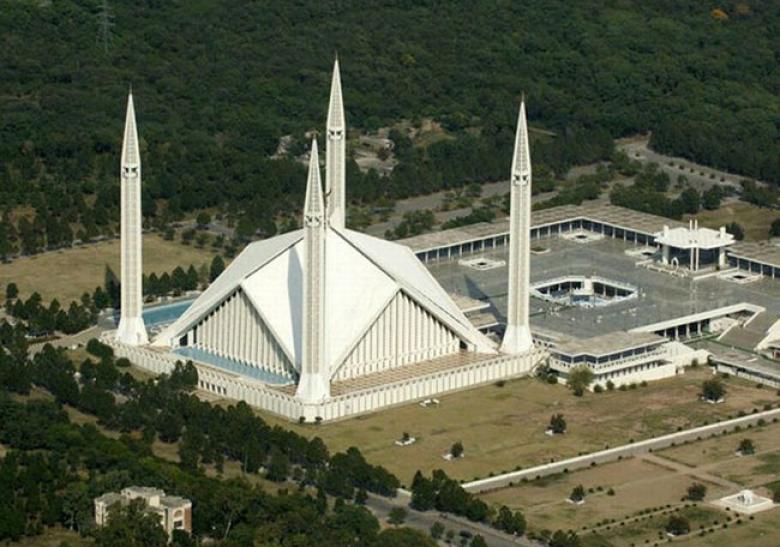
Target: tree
(713, 390)
(580, 378)
(746, 447)
(456, 451)
(562, 538)
(736, 230)
(511, 523)
(711, 198)
(423, 493)
(774, 230)
(203, 220)
(557, 424)
(677, 525)
(361, 497)
(396, 516)
(217, 267)
(131, 526)
(279, 467)
(478, 541)
(696, 492)
(11, 291)
(437, 530)
(577, 494)
(690, 201)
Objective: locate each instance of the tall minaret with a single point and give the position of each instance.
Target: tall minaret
(131, 330)
(314, 385)
(335, 160)
(517, 338)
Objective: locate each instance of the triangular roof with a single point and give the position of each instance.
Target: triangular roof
(362, 275)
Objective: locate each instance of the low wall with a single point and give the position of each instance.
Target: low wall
(619, 452)
(254, 393)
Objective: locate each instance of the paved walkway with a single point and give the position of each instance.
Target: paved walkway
(694, 472)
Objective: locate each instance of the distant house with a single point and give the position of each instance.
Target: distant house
(175, 513)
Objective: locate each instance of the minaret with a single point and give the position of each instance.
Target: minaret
(132, 330)
(517, 338)
(335, 160)
(314, 385)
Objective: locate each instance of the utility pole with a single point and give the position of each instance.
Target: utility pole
(105, 23)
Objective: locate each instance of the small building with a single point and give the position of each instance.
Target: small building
(622, 357)
(174, 512)
(693, 247)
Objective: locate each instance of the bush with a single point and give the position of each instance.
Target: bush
(678, 525)
(696, 492)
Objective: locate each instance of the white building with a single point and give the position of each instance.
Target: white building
(174, 512)
(325, 322)
(693, 247)
(623, 358)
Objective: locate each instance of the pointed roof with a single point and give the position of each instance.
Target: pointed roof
(336, 107)
(314, 205)
(131, 156)
(521, 160)
(363, 273)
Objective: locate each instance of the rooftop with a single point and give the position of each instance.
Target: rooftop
(767, 252)
(599, 212)
(661, 296)
(694, 237)
(607, 344)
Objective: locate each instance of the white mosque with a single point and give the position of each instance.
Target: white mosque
(325, 322)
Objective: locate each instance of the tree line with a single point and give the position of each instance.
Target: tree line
(55, 468)
(665, 67)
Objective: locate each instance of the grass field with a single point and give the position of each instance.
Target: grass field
(648, 488)
(637, 485)
(753, 219)
(53, 537)
(503, 427)
(66, 274)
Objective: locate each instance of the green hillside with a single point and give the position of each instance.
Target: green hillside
(218, 82)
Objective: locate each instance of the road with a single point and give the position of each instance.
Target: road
(638, 149)
(423, 521)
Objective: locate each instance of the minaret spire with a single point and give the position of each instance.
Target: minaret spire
(335, 160)
(131, 329)
(517, 337)
(314, 384)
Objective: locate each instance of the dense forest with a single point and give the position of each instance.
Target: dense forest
(217, 83)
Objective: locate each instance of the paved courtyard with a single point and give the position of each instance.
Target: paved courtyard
(661, 296)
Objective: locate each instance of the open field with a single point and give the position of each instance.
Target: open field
(66, 274)
(647, 488)
(753, 219)
(718, 456)
(503, 427)
(637, 484)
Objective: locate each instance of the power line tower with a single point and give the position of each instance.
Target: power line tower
(105, 24)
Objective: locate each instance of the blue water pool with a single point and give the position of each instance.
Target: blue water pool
(157, 316)
(167, 313)
(231, 365)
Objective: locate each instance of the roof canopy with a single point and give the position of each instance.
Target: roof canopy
(362, 275)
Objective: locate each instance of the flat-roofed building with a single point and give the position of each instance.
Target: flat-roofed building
(694, 247)
(622, 358)
(174, 512)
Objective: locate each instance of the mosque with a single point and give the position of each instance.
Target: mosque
(326, 322)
